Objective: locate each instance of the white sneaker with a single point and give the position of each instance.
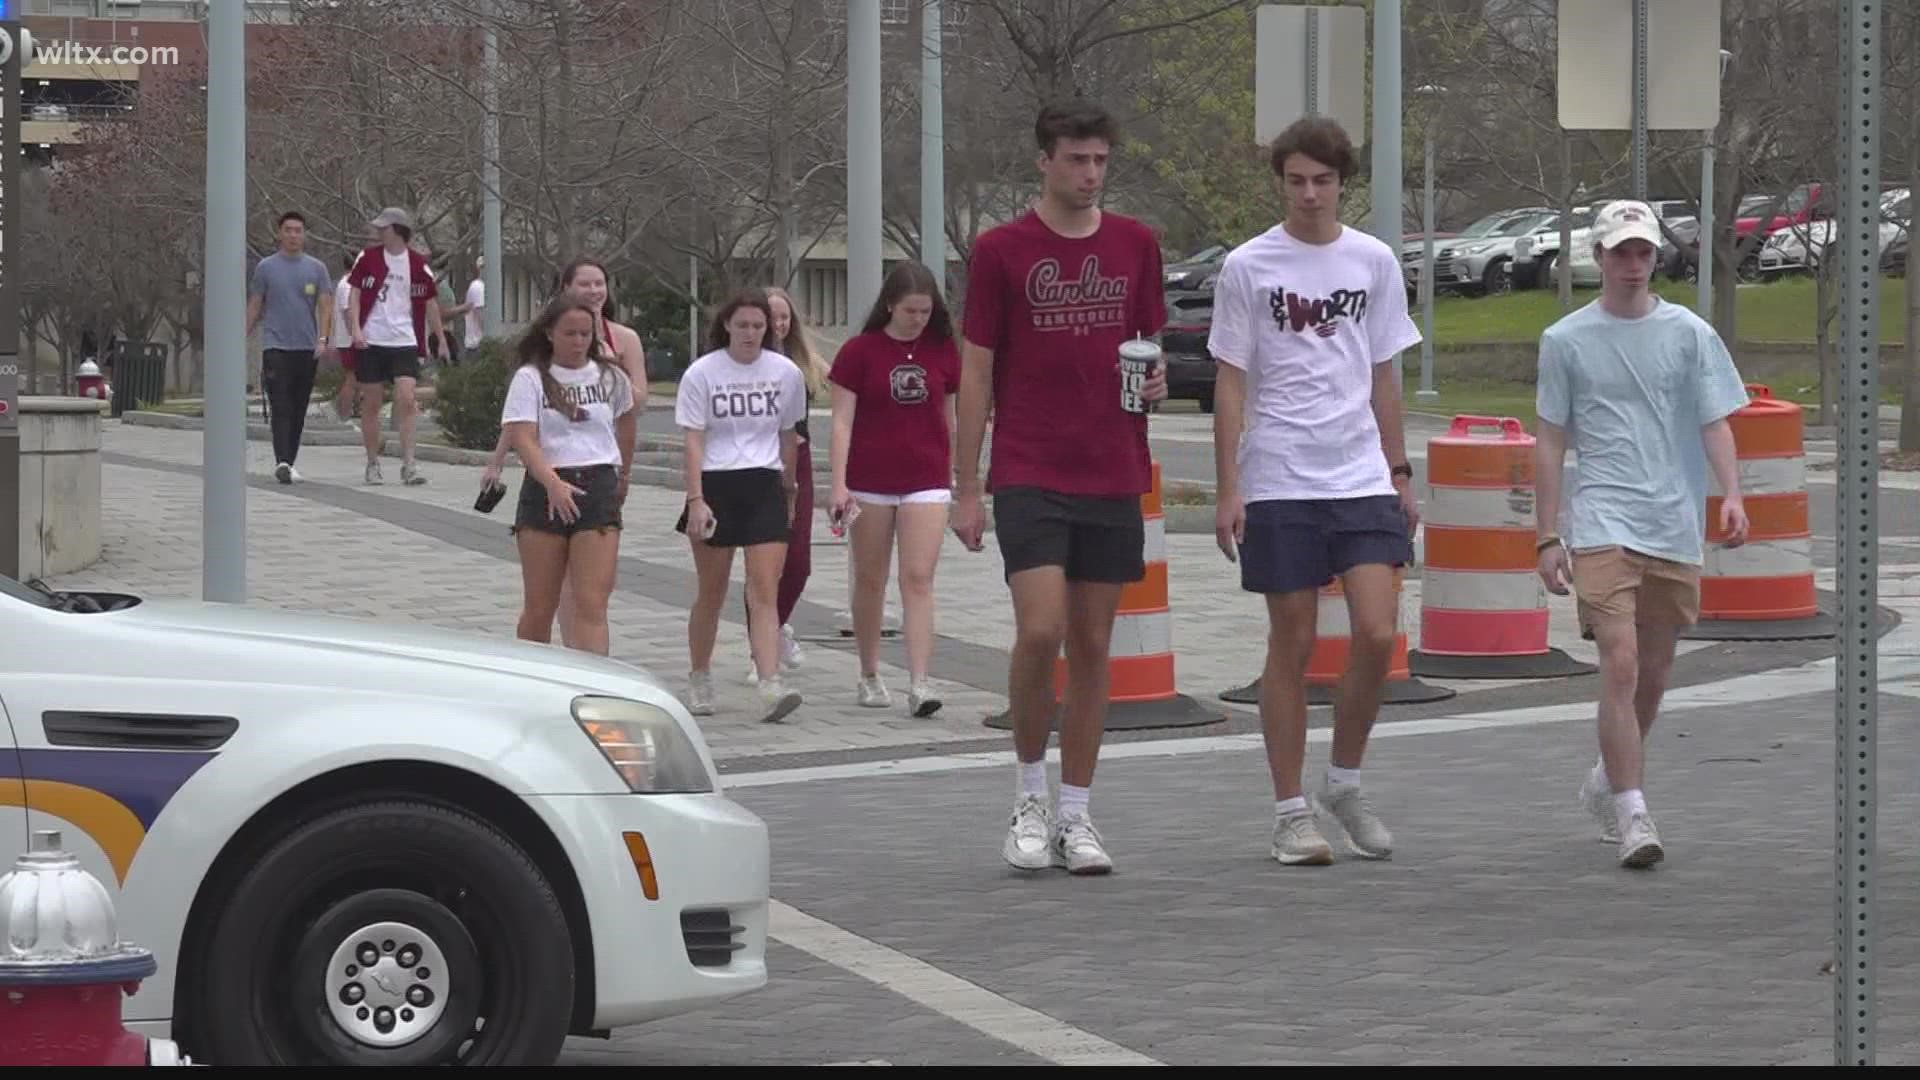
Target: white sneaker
(1297, 841)
(373, 473)
(293, 474)
(1077, 846)
(700, 693)
(1640, 847)
(1366, 834)
(410, 474)
(922, 701)
(1028, 835)
(790, 654)
(873, 693)
(1599, 803)
(778, 699)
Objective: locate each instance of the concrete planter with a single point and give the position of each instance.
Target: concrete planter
(60, 490)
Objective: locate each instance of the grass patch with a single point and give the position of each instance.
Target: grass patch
(1780, 310)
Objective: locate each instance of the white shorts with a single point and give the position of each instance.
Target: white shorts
(930, 495)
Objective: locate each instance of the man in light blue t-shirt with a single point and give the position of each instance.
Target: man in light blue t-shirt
(1640, 389)
(290, 300)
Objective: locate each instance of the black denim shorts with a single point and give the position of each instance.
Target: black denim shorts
(599, 507)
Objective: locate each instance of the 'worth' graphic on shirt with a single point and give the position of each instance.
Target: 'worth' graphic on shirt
(1291, 311)
(1077, 305)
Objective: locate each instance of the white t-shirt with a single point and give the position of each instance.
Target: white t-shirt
(476, 295)
(1307, 323)
(342, 295)
(390, 322)
(743, 408)
(605, 394)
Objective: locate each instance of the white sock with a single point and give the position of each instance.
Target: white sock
(1339, 777)
(1073, 801)
(1033, 778)
(1626, 804)
(1290, 807)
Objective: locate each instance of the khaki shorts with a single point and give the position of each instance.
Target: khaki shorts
(1620, 584)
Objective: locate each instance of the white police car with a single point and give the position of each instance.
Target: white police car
(364, 844)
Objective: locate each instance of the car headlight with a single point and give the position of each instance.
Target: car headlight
(644, 744)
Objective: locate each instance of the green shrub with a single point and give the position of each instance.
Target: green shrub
(468, 397)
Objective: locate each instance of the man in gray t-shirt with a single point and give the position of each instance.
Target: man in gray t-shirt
(291, 301)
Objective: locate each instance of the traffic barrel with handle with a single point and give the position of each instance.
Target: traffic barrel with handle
(1140, 662)
(1483, 608)
(1332, 645)
(1763, 590)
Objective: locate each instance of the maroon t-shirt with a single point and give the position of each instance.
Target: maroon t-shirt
(1055, 310)
(900, 441)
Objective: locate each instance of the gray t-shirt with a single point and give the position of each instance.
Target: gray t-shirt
(293, 286)
(1634, 395)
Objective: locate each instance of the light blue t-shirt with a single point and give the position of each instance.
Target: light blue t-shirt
(1634, 395)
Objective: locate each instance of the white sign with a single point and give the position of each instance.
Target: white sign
(1287, 80)
(1596, 65)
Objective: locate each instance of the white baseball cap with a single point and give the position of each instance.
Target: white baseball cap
(1625, 219)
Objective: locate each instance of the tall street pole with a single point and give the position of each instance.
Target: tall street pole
(933, 147)
(863, 156)
(493, 274)
(223, 472)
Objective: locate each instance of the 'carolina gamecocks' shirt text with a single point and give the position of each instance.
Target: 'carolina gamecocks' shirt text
(1055, 310)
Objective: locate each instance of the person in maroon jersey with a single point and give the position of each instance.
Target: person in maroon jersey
(892, 454)
(1051, 297)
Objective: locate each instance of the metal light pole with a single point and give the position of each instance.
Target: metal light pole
(933, 147)
(863, 156)
(493, 273)
(1388, 208)
(1426, 390)
(1703, 263)
(1856, 506)
(1639, 99)
(223, 472)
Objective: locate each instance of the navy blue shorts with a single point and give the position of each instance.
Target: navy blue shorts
(1295, 544)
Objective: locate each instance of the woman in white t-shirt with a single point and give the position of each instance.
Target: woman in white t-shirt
(738, 406)
(570, 417)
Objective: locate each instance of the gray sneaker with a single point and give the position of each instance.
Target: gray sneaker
(1297, 841)
(373, 473)
(1599, 803)
(873, 693)
(922, 701)
(700, 693)
(410, 475)
(1641, 847)
(779, 700)
(1366, 835)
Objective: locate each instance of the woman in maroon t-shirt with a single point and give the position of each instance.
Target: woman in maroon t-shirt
(893, 399)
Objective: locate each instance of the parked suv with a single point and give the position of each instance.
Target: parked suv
(1183, 344)
(1479, 259)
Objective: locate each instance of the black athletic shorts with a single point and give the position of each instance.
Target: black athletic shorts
(1093, 538)
(385, 363)
(599, 508)
(749, 507)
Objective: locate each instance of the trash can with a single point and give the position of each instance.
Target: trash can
(139, 375)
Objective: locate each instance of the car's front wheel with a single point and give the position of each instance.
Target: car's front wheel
(389, 933)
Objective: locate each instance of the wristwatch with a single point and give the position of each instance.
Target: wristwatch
(1403, 469)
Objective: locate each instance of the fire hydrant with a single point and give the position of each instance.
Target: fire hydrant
(89, 383)
(63, 968)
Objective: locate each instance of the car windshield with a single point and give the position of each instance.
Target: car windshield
(1487, 226)
(23, 593)
(1524, 224)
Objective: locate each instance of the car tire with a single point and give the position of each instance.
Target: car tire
(412, 885)
(1497, 279)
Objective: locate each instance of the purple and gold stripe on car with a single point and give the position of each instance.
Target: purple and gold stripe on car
(114, 796)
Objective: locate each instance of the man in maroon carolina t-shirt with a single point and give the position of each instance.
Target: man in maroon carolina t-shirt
(1050, 299)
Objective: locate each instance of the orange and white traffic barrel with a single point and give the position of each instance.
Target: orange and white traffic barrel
(1763, 590)
(1140, 663)
(1332, 647)
(1483, 608)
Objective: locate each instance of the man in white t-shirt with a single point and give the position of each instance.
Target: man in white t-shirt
(476, 303)
(1307, 318)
